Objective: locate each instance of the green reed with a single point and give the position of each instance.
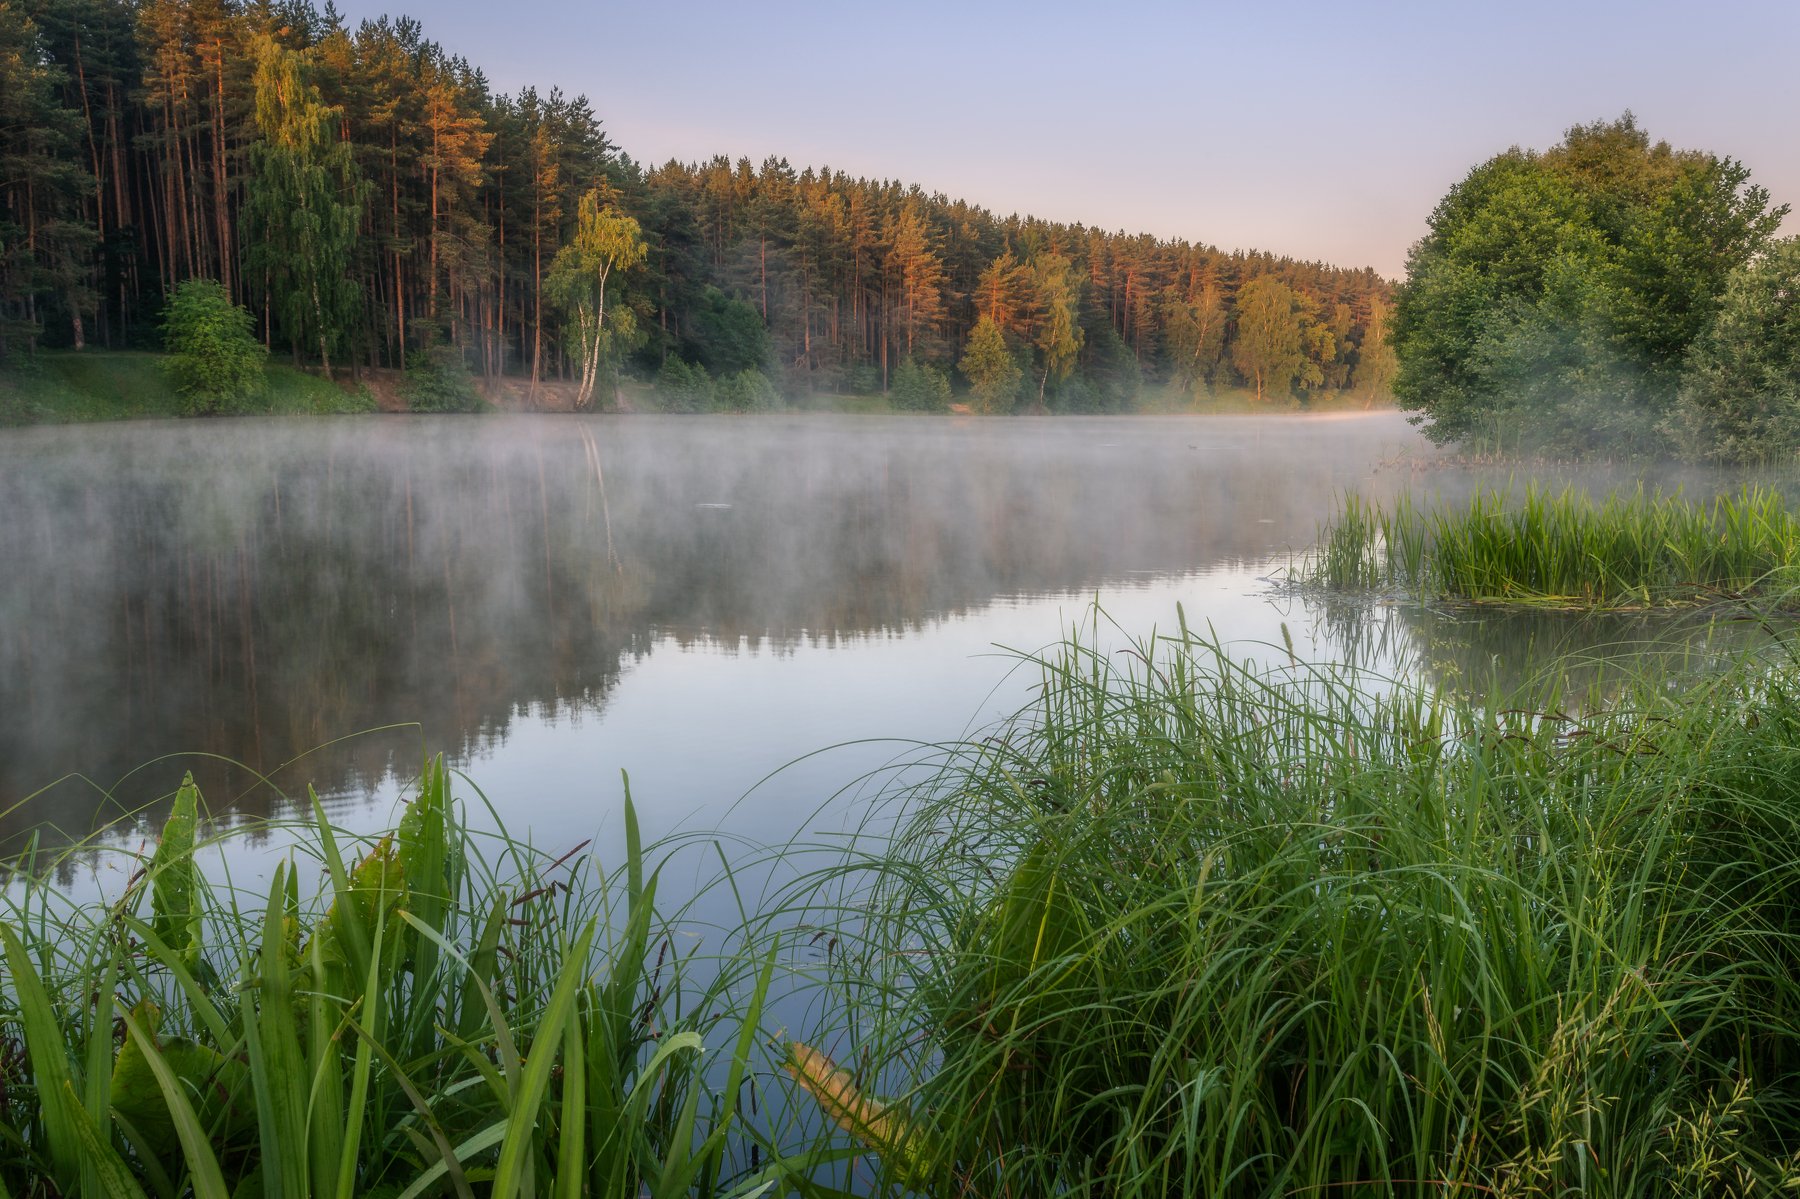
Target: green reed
(450, 1015)
(1182, 926)
(1567, 549)
(1185, 927)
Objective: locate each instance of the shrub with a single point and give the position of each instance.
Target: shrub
(215, 360)
(1741, 395)
(992, 371)
(728, 335)
(684, 386)
(920, 388)
(748, 391)
(861, 379)
(437, 381)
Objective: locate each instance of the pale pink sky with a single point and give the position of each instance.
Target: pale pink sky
(1322, 131)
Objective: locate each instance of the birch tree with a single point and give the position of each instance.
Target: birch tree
(606, 241)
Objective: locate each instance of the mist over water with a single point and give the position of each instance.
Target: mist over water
(551, 600)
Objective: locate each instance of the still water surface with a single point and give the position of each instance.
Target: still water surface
(701, 602)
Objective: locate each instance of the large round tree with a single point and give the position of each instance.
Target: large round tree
(1553, 301)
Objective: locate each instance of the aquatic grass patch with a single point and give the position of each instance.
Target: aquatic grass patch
(1189, 927)
(449, 1014)
(1567, 549)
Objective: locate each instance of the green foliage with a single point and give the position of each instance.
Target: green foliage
(1194, 330)
(1056, 328)
(989, 366)
(305, 199)
(434, 1022)
(683, 386)
(747, 391)
(605, 240)
(726, 335)
(1553, 302)
(215, 360)
(1626, 552)
(1187, 927)
(1110, 375)
(437, 380)
(174, 906)
(60, 386)
(1268, 347)
(1376, 364)
(917, 387)
(1741, 399)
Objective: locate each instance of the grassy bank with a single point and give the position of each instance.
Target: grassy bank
(1567, 549)
(1181, 927)
(63, 387)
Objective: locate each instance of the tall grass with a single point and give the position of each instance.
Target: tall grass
(1182, 927)
(445, 1017)
(1185, 928)
(1567, 549)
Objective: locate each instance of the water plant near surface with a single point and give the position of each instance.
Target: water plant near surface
(1183, 926)
(437, 1020)
(1186, 927)
(1567, 549)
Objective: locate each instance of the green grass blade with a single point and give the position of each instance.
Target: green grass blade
(514, 1163)
(113, 1176)
(46, 1052)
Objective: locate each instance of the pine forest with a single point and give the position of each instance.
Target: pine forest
(374, 204)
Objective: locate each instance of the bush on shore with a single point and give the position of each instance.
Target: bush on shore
(214, 358)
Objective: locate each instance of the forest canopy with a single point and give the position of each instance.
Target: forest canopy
(1559, 299)
(370, 199)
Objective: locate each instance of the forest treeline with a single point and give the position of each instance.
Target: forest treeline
(373, 202)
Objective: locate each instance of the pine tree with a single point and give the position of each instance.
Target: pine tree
(918, 276)
(146, 160)
(45, 247)
(1001, 293)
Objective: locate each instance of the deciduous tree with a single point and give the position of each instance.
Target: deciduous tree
(988, 364)
(305, 205)
(1268, 348)
(606, 242)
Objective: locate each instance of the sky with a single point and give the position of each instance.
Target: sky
(1318, 131)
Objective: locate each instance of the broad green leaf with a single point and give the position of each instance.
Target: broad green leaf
(174, 882)
(203, 1167)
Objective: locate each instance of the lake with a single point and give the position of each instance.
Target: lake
(754, 617)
